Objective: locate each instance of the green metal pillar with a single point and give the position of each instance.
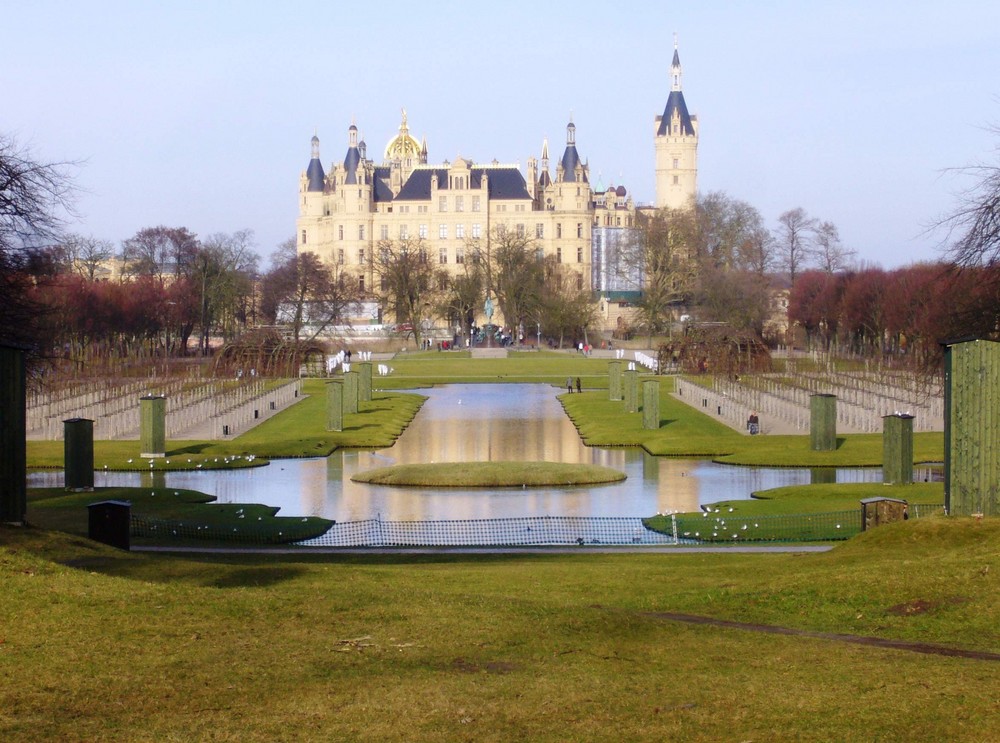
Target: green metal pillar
(823, 422)
(971, 433)
(351, 391)
(365, 388)
(651, 404)
(897, 449)
(615, 380)
(631, 391)
(152, 426)
(78, 454)
(335, 406)
(13, 431)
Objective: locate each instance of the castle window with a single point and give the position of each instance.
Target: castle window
(579, 229)
(579, 254)
(459, 254)
(460, 231)
(558, 230)
(475, 231)
(443, 282)
(340, 256)
(520, 230)
(558, 255)
(361, 284)
(539, 230)
(443, 231)
(384, 232)
(677, 163)
(442, 203)
(404, 231)
(475, 203)
(442, 255)
(303, 237)
(340, 232)
(361, 232)
(459, 203)
(579, 282)
(383, 283)
(676, 180)
(422, 231)
(361, 256)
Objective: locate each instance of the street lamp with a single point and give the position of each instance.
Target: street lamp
(538, 333)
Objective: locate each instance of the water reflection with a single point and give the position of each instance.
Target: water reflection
(470, 423)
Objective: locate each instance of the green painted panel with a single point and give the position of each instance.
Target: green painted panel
(335, 406)
(78, 453)
(823, 422)
(651, 404)
(615, 380)
(972, 428)
(897, 449)
(152, 426)
(631, 391)
(365, 388)
(351, 391)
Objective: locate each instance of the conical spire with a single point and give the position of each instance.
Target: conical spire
(314, 173)
(675, 69)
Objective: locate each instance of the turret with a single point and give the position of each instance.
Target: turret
(315, 177)
(676, 146)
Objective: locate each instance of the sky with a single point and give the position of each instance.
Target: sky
(200, 114)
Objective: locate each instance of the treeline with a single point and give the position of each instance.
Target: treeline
(904, 313)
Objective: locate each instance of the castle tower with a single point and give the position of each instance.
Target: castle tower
(676, 147)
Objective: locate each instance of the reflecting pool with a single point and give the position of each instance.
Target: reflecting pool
(474, 423)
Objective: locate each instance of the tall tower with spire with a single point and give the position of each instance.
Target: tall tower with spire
(676, 147)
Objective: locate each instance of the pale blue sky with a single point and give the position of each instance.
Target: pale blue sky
(199, 114)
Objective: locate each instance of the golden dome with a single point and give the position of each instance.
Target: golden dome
(403, 145)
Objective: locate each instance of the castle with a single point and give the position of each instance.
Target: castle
(345, 211)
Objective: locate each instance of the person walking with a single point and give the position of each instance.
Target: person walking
(578, 388)
(569, 385)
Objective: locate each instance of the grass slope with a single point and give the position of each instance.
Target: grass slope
(102, 645)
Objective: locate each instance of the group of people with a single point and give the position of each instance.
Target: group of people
(569, 385)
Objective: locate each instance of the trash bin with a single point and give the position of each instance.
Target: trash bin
(109, 522)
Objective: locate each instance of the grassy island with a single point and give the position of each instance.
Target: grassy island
(490, 474)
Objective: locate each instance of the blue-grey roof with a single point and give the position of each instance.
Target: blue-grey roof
(675, 103)
(570, 160)
(504, 183)
(351, 161)
(315, 175)
(381, 191)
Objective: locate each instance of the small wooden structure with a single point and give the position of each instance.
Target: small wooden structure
(878, 511)
(971, 431)
(716, 349)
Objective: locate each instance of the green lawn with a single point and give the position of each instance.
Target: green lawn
(98, 644)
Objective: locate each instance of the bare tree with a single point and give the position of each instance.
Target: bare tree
(408, 282)
(660, 255)
(830, 253)
(306, 294)
(87, 255)
(794, 241)
(973, 228)
(160, 252)
(512, 270)
(34, 199)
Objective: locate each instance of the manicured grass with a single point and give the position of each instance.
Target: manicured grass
(192, 516)
(298, 431)
(490, 474)
(687, 432)
(417, 370)
(103, 645)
